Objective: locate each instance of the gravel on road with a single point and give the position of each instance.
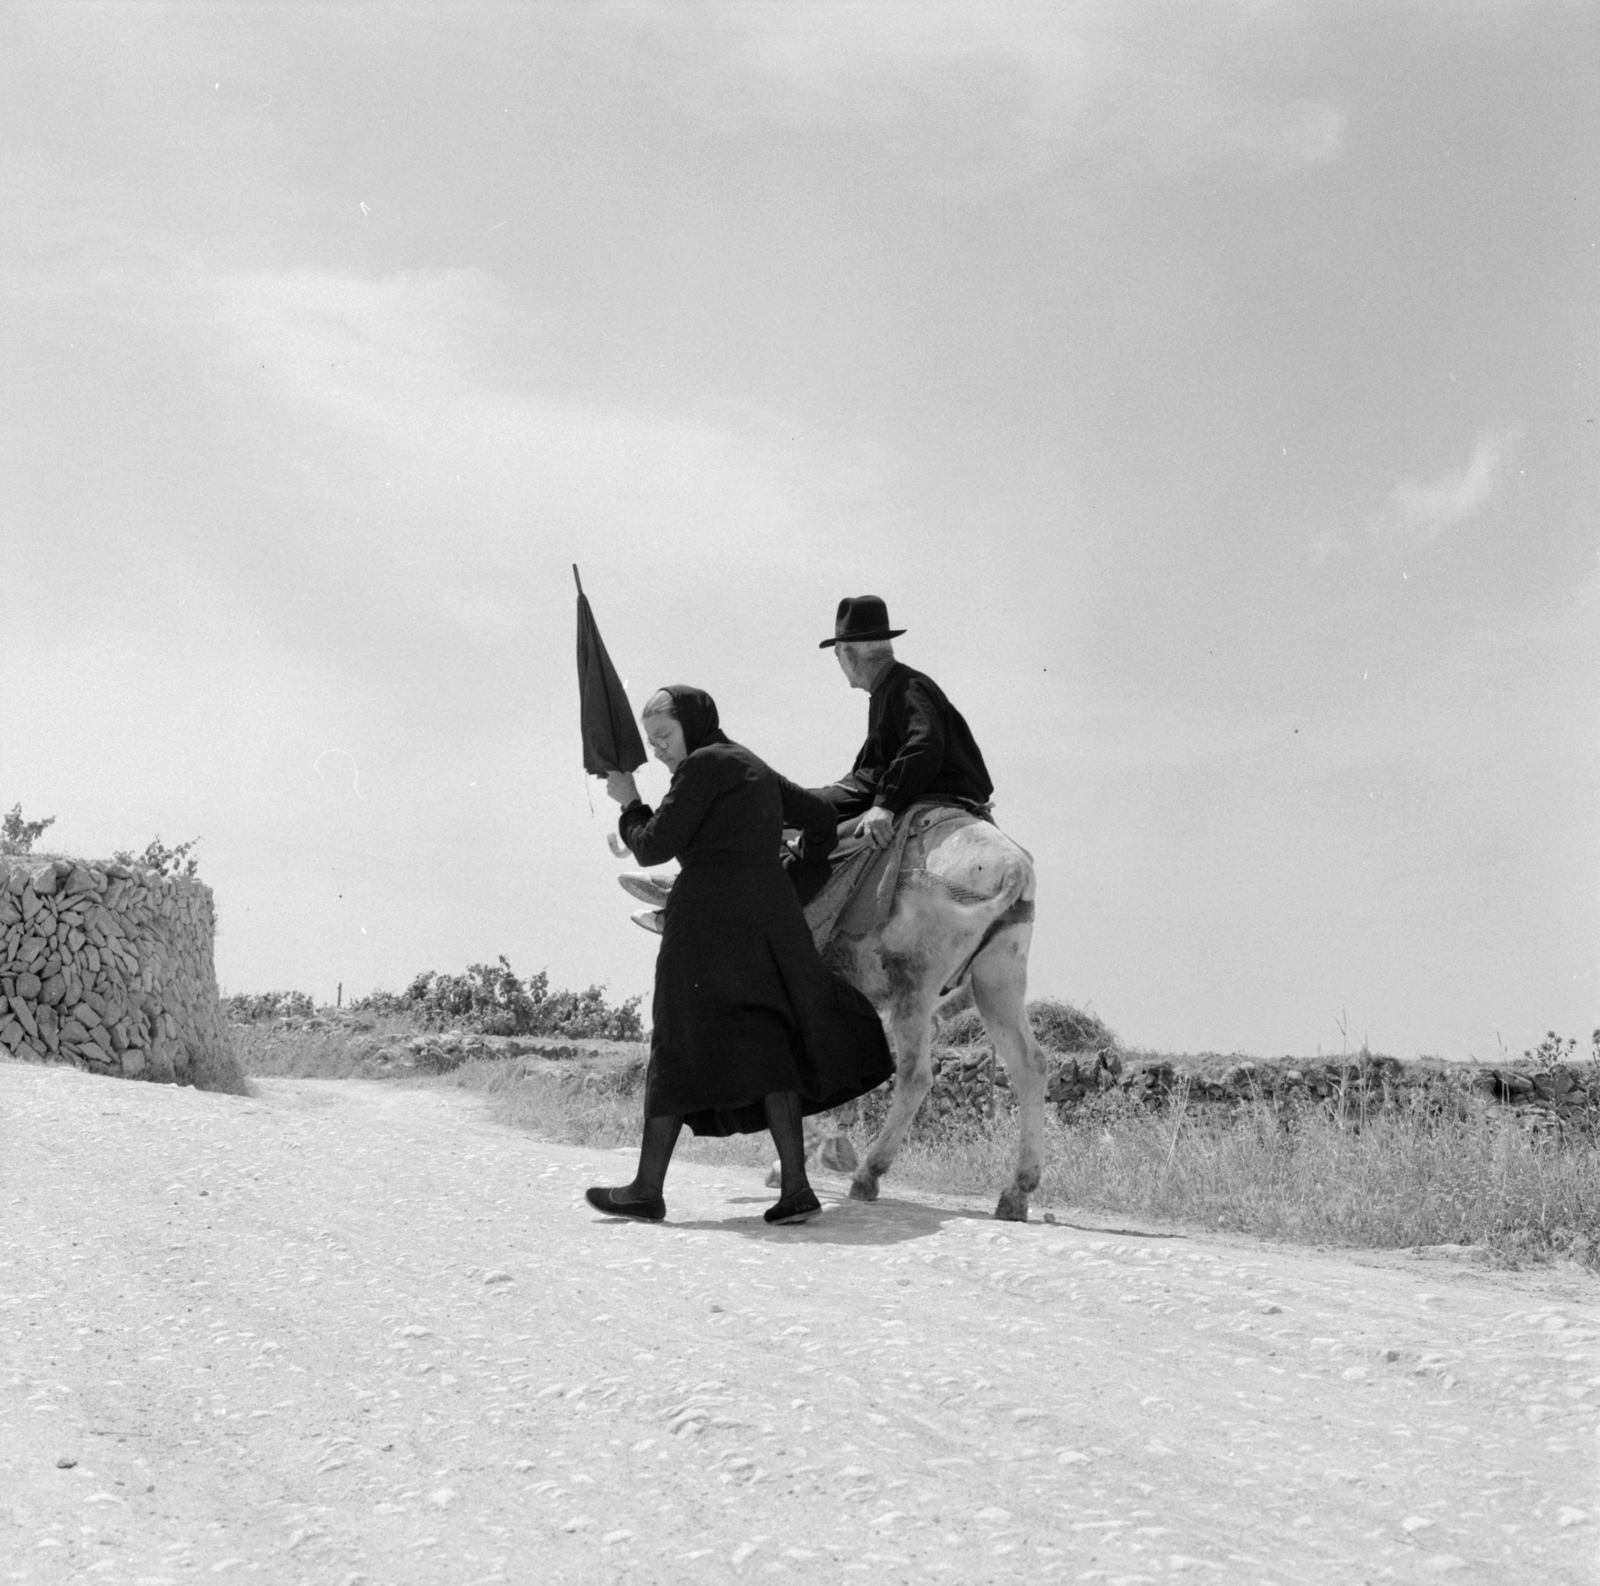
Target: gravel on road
(354, 1332)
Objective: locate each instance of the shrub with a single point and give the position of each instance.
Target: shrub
(1057, 1026)
(252, 1007)
(162, 860)
(490, 997)
(18, 836)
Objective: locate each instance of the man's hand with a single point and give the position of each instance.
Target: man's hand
(877, 827)
(621, 786)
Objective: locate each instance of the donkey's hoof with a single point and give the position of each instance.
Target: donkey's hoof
(863, 1188)
(1012, 1207)
(775, 1177)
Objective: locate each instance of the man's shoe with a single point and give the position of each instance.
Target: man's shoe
(607, 1201)
(800, 1208)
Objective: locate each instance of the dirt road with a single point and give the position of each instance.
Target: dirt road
(345, 1332)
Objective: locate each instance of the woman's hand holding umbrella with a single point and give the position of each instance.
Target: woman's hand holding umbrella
(621, 787)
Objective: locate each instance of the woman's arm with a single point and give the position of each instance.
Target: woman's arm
(655, 836)
(816, 818)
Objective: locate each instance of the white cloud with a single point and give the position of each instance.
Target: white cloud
(1426, 508)
(984, 95)
(336, 431)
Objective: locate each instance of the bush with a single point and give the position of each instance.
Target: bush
(1057, 1026)
(247, 1007)
(18, 836)
(490, 997)
(1063, 1028)
(162, 860)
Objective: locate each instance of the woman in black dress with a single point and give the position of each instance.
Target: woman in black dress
(750, 1031)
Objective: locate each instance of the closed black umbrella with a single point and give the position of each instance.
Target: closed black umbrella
(611, 740)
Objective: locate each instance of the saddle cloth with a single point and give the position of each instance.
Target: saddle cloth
(858, 896)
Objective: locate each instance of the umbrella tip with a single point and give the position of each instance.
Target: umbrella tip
(578, 581)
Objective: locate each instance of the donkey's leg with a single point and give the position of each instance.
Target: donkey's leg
(1000, 986)
(910, 1035)
(837, 1151)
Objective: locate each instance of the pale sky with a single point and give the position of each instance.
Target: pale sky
(1209, 388)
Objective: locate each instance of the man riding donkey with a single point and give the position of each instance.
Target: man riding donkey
(919, 765)
(918, 750)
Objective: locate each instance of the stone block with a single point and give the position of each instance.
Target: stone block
(43, 880)
(24, 1015)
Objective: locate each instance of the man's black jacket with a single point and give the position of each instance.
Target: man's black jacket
(918, 746)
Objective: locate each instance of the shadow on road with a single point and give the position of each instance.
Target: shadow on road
(843, 1222)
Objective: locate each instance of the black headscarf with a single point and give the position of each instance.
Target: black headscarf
(696, 712)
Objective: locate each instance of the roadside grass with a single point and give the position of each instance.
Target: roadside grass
(1411, 1177)
(336, 1050)
(221, 1071)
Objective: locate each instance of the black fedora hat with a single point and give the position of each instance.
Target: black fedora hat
(861, 619)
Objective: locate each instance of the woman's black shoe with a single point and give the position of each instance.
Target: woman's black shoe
(799, 1208)
(609, 1202)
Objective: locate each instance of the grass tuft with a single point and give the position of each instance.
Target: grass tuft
(220, 1071)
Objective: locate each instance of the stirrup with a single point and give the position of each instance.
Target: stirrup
(650, 919)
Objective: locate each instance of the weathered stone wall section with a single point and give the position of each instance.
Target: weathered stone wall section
(969, 1083)
(107, 968)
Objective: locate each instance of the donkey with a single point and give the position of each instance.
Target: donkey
(962, 916)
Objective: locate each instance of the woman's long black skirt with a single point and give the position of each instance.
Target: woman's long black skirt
(743, 1007)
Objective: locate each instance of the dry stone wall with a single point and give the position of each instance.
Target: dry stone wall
(107, 968)
(969, 1083)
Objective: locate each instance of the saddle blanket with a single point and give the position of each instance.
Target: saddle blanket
(859, 895)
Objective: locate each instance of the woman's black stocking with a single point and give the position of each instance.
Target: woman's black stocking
(655, 1152)
(783, 1119)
